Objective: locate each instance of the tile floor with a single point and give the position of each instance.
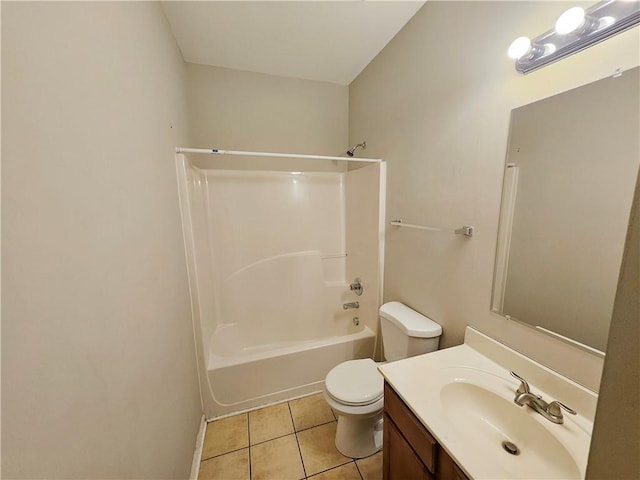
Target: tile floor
(289, 441)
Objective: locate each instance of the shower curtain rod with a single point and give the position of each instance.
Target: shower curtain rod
(216, 151)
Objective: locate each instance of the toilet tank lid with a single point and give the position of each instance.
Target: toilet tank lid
(412, 323)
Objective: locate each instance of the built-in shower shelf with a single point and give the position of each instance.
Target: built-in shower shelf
(332, 255)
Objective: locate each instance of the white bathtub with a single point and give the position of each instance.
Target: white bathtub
(268, 275)
(242, 378)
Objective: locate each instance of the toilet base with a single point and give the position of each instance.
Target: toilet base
(359, 437)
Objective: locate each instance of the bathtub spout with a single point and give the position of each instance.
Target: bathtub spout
(347, 306)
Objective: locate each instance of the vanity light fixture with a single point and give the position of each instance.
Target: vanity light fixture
(575, 30)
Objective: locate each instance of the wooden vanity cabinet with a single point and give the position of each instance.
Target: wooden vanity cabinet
(409, 451)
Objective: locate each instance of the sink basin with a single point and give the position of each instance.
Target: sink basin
(487, 420)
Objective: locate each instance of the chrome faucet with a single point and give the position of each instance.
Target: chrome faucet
(356, 286)
(551, 411)
(347, 306)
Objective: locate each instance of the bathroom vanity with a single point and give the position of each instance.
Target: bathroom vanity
(409, 450)
(450, 415)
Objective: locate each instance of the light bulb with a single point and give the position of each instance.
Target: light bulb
(519, 48)
(606, 22)
(571, 20)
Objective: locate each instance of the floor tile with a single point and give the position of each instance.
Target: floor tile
(277, 459)
(231, 466)
(310, 411)
(345, 472)
(371, 467)
(225, 435)
(318, 449)
(269, 423)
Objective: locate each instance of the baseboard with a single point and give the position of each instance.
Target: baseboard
(197, 454)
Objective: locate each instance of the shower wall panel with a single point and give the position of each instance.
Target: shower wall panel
(365, 215)
(275, 245)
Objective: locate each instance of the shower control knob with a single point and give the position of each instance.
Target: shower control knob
(356, 286)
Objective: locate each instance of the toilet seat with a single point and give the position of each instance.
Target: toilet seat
(355, 383)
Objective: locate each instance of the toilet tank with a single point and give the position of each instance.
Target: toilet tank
(406, 333)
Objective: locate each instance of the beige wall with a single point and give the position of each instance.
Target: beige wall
(236, 110)
(98, 363)
(435, 103)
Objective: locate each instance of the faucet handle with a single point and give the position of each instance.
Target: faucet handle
(555, 409)
(356, 286)
(524, 386)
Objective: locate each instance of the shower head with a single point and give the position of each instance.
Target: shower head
(363, 145)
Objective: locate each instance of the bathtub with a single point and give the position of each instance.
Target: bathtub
(269, 273)
(243, 378)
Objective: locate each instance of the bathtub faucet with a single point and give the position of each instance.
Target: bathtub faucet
(347, 306)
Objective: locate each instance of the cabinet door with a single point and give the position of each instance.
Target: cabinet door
(400, 461)
(415, 434)
(447, 468)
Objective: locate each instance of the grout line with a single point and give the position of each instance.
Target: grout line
(334, 467)
(283, 435)
(358, 468)
(274, 438)
(249, 440)
(202, 459)
(304, 469)
(225, 453)
(318, 425)
(369, 456)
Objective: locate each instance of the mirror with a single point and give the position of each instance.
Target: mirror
(571, 168)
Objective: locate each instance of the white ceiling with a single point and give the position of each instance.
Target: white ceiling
(329, 41)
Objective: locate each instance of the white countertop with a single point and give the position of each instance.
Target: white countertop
(472, 438)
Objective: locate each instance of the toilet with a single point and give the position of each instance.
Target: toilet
(353, 389)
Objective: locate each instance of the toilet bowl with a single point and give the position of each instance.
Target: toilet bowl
(354, 389)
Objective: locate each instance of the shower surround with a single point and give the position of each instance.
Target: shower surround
(270, 256)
